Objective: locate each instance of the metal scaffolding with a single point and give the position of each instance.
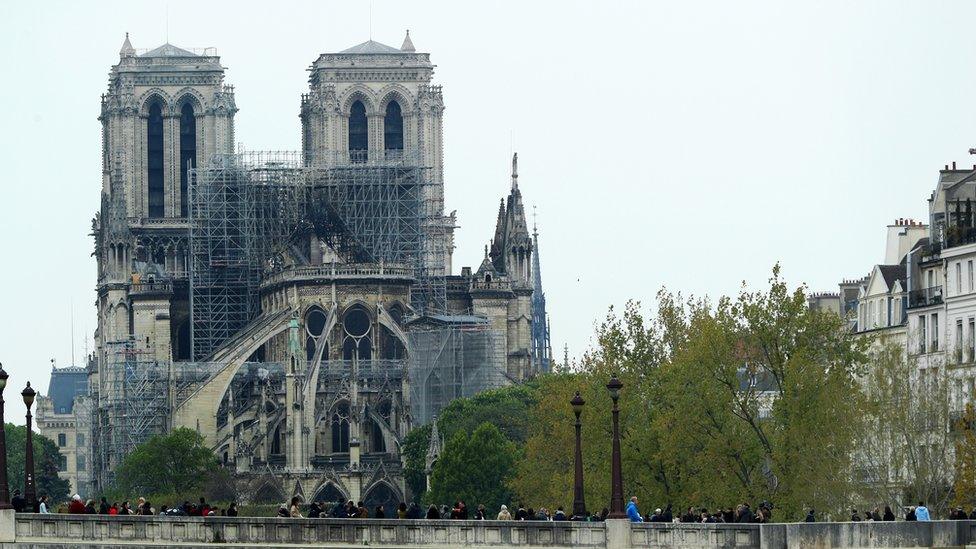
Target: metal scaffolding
(133, 401)
(451, 357)
(250, 211)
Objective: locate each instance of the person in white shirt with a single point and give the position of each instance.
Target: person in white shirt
(42, 505)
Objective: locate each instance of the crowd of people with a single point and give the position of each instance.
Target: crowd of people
(912, 513)
(742, 513)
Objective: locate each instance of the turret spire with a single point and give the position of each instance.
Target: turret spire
(127, 49)
(514, 171)
(407, 44)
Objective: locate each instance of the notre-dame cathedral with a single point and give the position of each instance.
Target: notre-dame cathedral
(299, 310)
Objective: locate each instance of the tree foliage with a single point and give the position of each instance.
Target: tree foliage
(964, 488)
(177, 464)
(907, 442)
(415, 446)
(474, 469)
(507, 408)
(700, 424)
(47, 458)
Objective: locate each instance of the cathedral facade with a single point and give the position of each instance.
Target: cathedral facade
(301, 311)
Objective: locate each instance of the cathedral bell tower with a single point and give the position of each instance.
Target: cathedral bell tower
(374, 104)
(166, 111)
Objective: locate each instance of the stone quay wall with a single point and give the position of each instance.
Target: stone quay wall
(24, 531)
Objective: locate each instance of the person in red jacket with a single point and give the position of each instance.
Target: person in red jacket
(76, 507)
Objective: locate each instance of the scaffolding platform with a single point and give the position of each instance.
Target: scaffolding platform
(249, 210)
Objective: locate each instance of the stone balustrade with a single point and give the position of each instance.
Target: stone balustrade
(64, 531)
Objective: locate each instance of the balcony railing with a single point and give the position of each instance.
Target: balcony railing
(960, 236)
(145, 288)
(931, 251)
(925, 297)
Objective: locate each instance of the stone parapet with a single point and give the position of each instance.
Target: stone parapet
(33, 530)
(56, 531)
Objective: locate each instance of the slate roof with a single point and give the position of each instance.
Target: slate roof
(892, 273)
(371, 46)
(66, 384)
(168, 50)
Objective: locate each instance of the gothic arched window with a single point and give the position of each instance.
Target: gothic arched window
(155, 161)
(358, 132)
(393, 127)
(340, 429)
(188, 152)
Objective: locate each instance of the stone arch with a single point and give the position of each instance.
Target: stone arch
(398, 93)
(191, 96)
(382, 492)
(330, 491)
(360, 93)
(154, 95)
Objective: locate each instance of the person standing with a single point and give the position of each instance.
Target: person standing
(922, 512)
(811, 516)
(18, 502)
(294, 511)
(888, 514)
(42, 505)
(504, 514)
(632, 513)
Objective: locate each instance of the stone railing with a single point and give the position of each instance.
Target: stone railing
(328, 273)
(32, 530)
(134, 531)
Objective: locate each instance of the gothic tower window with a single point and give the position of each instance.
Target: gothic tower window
(188, 152)
(155, 161)
(393, 127)
(358, 132)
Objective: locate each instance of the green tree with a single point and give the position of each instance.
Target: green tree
(905, 406)
(474, 469)
(753, 398)
(47, 460)
(964, 488)
(415, 446)
(507, 408)
(177, 464)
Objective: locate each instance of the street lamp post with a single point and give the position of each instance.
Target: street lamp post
(4, 486)
(616, 479)
(30, 492)
(579, 505)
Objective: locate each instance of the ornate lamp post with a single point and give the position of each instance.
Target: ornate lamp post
(579, 505)
(4, 486)
(616, 479)
(30, 493)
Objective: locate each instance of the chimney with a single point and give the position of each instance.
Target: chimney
(945, 168)
(953, 164)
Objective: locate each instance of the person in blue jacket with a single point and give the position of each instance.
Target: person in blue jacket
(922, 512)
(632, 513)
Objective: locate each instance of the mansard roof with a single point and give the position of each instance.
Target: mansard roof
(891, 273)
(169, 50)
(371, 46)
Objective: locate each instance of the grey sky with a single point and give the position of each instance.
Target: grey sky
(681, 144)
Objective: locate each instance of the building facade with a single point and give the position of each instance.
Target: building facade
(64, 416)
(299, 310)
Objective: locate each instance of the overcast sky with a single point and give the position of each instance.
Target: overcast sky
(682, 144)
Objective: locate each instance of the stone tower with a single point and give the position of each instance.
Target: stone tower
(166, 111)
(374, 103)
